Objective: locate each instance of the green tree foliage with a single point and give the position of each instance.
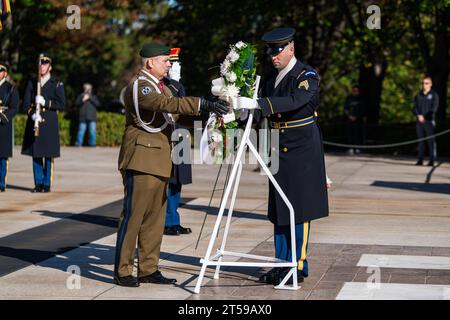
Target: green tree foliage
(332, 36)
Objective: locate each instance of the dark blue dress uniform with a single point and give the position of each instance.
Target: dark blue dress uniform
(181, 173)
(9, 103)
(291, 108)
(45, 147)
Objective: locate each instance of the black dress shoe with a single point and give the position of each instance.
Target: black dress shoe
(2, 189)
(430, 164)
(128, 281)
(184, 230)
(419, 163)
(37, 189)
(271, 277)
(45, 189)
(171, 231)
(157, 277)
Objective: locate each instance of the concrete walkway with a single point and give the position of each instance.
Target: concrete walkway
(381, 208)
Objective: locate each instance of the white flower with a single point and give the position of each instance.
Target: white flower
(233, 56)
(240, 45)
(224, 66)
(231, 91)
(231, 76)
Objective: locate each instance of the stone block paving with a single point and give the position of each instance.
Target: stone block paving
(383, 210)
(331, 265)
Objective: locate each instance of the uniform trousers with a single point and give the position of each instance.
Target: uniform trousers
(43, 171)
(173, 202)
(3, 172)
(142, 220)
(283, 249)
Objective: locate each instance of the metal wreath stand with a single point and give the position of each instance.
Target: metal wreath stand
(217, 259)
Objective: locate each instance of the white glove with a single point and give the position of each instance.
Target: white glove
(40, 100)
(36, 117)
(218, 87)
(244, 103)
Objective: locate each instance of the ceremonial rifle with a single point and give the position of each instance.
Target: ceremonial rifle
(37, 114)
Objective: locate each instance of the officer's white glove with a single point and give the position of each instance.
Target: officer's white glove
(245, 103)
(36, 117)
(218, 87)
(40, 100)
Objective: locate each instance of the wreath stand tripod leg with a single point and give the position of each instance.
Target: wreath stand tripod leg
(230, 213)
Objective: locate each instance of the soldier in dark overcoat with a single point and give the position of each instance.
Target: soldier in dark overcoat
(44, 147)
(9, 104)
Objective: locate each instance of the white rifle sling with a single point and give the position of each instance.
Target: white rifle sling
(146, 125)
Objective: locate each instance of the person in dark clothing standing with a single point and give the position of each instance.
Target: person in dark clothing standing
(354, 112)
(44, 147)
(9, 103)
(181, 172)
(426, 104)
(88, 103)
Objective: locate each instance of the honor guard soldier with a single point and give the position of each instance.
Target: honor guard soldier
(42, 143)
(182, 172)
(146, 166)
(9, 103)
(290, 100)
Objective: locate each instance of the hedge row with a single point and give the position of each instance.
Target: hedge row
(110, 127)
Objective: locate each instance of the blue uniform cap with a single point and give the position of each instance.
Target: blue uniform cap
(277, 39)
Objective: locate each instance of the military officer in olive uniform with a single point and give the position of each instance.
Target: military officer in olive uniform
(9, 103)
(290, 100)
(145, 164)
(45, 147)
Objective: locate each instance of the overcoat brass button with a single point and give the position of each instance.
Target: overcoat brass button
(285, 149)
(282, 130)
(279, 115)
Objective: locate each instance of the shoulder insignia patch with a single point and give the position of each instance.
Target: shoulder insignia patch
(304, 84)
(311, 73)
(146, 90)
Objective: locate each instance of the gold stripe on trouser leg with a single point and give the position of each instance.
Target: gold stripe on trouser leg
(304, 244)
(152, 227)
(51, 174)
(6, 175)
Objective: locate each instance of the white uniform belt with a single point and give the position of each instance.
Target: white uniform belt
(146, 125)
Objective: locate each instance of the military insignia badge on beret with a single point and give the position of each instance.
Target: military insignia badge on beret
(304, 84)
(146, 90)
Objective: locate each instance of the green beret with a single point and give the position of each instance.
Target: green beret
(154, 49)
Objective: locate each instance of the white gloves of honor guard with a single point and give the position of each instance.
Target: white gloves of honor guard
(40, 100)
(36, 117)
(231, 94)
(244, 103)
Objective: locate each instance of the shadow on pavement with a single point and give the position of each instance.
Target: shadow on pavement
(443, 188)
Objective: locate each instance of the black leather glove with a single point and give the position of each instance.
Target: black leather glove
(219, 107)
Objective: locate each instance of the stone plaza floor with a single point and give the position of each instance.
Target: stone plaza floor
(387, 236)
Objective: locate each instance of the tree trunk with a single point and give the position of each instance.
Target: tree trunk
(371, 85)
(438, 65)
